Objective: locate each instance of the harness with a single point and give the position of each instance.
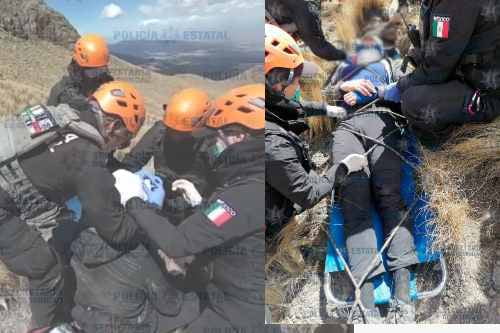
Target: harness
(22, 133)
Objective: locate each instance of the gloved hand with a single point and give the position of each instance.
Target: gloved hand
(129, 186)
(75, 206)
(336, 112)
(355, 98)
(176, 266)
(153, 186)
(391, 93)
(356, 162)
(188, 190)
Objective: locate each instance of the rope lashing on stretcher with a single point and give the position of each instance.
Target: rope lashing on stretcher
(378, 255)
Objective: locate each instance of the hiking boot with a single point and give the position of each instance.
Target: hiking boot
(370, 316)
(401, 313)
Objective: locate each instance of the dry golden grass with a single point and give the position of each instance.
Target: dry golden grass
(462, 179)
(350, 20)
(311, 91)
(15, 96)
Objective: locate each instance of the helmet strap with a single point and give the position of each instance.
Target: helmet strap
(291, 76)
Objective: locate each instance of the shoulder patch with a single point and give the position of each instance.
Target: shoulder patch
(441, 27)
(219, 213)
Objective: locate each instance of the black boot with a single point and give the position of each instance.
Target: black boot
(402, 307)
(372, 313)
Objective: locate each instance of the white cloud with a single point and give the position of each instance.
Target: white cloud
(112, 11)
(237, 16)
(145, 23)
(202, 8)
(146, 9)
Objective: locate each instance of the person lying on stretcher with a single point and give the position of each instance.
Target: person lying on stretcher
(375, 132)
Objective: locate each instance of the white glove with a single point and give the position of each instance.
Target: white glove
(356, 162)
(188, 190)
(129, 186)
(175, 266)
(336, 112)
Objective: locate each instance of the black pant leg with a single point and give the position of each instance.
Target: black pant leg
(355, 199)
(25, 253)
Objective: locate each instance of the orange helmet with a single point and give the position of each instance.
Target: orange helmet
(281, 50)
(124, 100)
(243, 106)
(91, 51)
(186, 109)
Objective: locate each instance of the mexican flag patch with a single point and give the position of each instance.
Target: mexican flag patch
(219, 213)
(441, 27)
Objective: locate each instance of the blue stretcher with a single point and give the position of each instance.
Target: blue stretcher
(420, 214)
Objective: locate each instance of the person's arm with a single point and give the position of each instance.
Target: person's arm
(309, 28)
(333, 87)
(313, 109)
(101, 208)
(144, 150)
(285, 173)
(225, 218)
(442, 54)
(66, 93)
(53, 99)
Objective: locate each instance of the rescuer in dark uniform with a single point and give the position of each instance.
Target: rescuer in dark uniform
(291, 183)
(174, 149)
(47, 156)
(87, 71)
(229, 230)
(302, 18)
(456, 79)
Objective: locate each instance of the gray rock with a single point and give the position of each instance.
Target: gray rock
(496, 278)
(33, 19)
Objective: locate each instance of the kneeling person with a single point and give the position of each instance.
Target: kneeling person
(229, 231)
(174, 149)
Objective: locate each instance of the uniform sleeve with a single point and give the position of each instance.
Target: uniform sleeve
(144, 150)
(312, 109)
(308, 24)
(73, 98)
(64, 92)
(442, 54)
(53, 99)
(336, 81)
(285, 173)
(220, 222)
(101, 207)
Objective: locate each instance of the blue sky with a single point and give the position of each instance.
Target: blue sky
(243, 21)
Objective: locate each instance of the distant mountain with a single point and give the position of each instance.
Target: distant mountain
(33, 19)
(214, 60)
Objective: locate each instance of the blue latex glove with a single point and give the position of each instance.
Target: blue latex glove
(363, 100)
(153, 186)
(392, 93)
(75, 206)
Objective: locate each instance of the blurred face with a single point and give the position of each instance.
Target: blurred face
(117, 136)
(115, 133)
(290, 90)
(95, 73)
(178, 136)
